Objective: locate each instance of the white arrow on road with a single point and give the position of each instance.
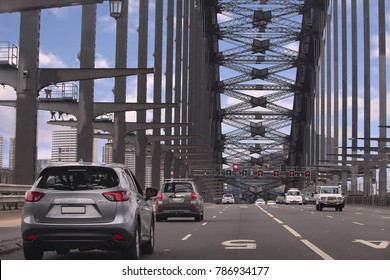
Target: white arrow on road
(376, 244)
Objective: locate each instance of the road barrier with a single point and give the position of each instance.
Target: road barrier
(12, 196)
(369, 200)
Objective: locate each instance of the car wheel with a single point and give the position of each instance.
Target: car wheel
(198, 217)
(160, 218)
(320, 207)
(148, 247)
(317, 207)
(134, 251)
(32, 253)
(63, 251)
(341, 208)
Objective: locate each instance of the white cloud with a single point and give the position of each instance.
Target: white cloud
(101, 61)
(50, 60)
(107, 23)
(375, 45)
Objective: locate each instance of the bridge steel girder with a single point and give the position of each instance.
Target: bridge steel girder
(301, 146)
(12, 6)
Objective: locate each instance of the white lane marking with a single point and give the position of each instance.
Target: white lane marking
(205, 223)
(317, 250)
(243, 206)
(186, 237)
(239, 244)
(356, 223)
(330, 217)
(278, 221)
(270, 215)
(384, 217)
(376, 244)
(358, 213)
(296, 234)
(220, 212)
(314, 248)
(214, 217)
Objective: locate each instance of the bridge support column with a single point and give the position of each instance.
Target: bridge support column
(26, 101)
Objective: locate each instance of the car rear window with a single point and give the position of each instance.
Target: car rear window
(77, 178)
(178, 187)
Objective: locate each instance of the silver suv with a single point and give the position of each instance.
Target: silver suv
(179, 198)
(87, 206)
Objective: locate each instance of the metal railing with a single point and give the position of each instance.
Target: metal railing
(12, 196)
(8, 54)
(368, 200)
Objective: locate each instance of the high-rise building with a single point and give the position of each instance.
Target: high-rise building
(64, 145)
(12, 153)
(107, 152)
(130, 162)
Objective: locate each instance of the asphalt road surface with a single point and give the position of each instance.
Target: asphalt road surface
(250, 232)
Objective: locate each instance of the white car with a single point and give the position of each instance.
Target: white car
(271, 202)
(227, 198)
(260, 201)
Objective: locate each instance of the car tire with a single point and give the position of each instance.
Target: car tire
(160, 217)
(133, 252)
(198, 217)
(31, 253)
(62, 251)
(148, 247)
(317, 207)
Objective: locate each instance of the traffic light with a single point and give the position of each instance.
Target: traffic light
(307, 173)
(244, 172)
(228, 172)
(276, 173)
(235, 167)
(260, 173)
(292, 173)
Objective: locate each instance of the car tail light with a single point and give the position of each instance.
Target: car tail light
(31, 237)
(193, 196)
(33, 196)
(159, 196)
(118, 237)
(117, 196)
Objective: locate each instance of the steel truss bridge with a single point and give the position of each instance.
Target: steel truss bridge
(244, 86)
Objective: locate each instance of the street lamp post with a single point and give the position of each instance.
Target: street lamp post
(116, 8)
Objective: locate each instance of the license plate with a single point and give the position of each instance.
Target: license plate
(177, 199)
(73, 209)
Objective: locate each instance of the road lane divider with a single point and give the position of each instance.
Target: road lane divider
(293, 232)
(308, 244)
(356, 223)
(186, 237)
(317, 250)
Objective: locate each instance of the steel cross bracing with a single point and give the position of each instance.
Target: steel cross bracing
(259, 42)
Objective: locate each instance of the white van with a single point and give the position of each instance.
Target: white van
(293, 196)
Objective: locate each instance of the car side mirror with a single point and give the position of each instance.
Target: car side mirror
(150, 192)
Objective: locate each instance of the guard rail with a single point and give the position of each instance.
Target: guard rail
(12, 195)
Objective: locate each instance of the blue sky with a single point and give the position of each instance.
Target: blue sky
(60, 43)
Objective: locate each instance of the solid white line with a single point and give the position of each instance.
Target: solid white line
(317, 250)
(356, 223)
(186, 237)
(296, 234)
(384, 217)
(205, 223)
(330, 217)
(279, 221)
